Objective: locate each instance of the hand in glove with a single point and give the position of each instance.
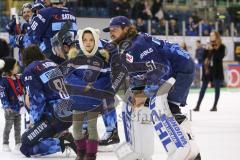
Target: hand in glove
(11, 27)
(19, 40)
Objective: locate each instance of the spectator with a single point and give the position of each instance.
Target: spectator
(192, 27)
(159, 28)
(140, 25)
(173, 28)
(126, 8)
(142, 9)
(157, 10)
(199, 52)
(206, 28)
(115, 8)
(212, 68)
(137, 9)
(147, 14)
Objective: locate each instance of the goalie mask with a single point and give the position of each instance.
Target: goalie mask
(82, 38)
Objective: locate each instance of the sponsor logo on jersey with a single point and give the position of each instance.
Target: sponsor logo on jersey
(146, 52)
(129, 58)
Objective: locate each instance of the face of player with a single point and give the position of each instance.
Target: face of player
(88, 42)
(27, 13)
(117, 34)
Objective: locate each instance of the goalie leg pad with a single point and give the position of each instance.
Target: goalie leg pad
(137, 124)
(177, 139)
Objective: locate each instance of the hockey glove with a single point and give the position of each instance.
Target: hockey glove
(19, 39)
(11, 27)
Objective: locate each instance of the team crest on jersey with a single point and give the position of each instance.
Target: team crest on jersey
(129, 58)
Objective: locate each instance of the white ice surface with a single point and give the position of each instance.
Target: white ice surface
(217, 133)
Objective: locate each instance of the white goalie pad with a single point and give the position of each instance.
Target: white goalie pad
(139, 134)
(172, 135)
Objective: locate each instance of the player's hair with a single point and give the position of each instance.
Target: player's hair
(4, 48)
(9, 65)
(32, 53)
(132, 31)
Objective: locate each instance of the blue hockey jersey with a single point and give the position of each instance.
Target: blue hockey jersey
(155, 53)
(40, 94)
(46, 24)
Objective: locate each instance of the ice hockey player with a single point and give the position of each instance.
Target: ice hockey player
(152, 53)
(45, 25)
(39, 139)
(15, 28)
(27, 14)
